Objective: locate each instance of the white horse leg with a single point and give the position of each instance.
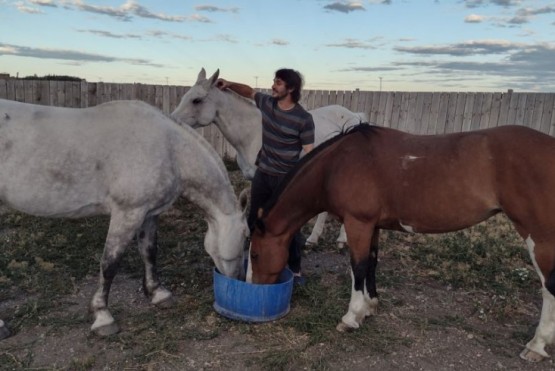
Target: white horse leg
(360, 306)
(535, 349)
(545, 332)
(317, 229)
(342, 238)
(148, 247)
(121, 231)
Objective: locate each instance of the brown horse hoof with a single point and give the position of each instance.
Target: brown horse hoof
(531, 356)
(107, 330)
(4, 331)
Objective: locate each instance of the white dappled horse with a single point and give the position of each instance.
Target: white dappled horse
(240, 120)
(124, 159)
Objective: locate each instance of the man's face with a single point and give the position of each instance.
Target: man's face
(279, 89)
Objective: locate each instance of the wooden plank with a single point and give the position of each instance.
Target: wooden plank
(43, 93)
(513, 107)
(552, 123)
(548, 108)
(521, 107)
(380, 117)
(347, 96)
(451, 110)
(443, 111)
(375, 108)
(93, 94)
(354, 100)
(325, 98)
(467, 114)
(3, 89)
(410, 118)
(495, 110)
(19, 91)
(396, 109)
(485, 110)
(504, 109)
(459, 112)
(84, 92)
(434, 114)
(388, 114)
(29, 91)
(403, 108)
(423, 113)
(476, 114)
(534, 113)
(339, 97)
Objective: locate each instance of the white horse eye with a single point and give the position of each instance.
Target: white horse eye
(197, 100)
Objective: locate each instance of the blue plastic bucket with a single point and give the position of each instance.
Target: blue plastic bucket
(240, 300)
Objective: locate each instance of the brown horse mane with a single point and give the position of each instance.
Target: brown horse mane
(363, 128)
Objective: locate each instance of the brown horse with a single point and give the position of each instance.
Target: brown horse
(376, 178)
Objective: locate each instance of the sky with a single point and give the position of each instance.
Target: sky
(389, 45)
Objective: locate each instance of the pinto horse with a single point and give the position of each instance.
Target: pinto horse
(125, 159)
(376, 178)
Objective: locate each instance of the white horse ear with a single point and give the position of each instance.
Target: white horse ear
(201, 75)
(214, 77)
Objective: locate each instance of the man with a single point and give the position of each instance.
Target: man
(287, 130)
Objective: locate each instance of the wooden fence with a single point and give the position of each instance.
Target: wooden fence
(418, 112)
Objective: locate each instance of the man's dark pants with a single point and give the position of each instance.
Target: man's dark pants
(262, 187)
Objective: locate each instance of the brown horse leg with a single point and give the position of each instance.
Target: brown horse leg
(543, 258)
(364, 256)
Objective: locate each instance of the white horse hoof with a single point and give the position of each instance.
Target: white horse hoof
(106, 330)
(531, 356)
(162, 298)
(340, 245)
(104, 324)
(343, 327)
(4, 331)
(308, 242)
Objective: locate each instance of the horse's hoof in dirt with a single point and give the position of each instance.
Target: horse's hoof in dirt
(310, 243)
(167, 303)
(106, 330)
(162, 298)
(4, 331)
(531, 356)
(343, 327)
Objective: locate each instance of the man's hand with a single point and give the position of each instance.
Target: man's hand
(222, 84)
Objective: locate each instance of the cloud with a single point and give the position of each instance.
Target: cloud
(474, 18)
(49, 3)
(352, 44)
(479, 3)
(27, 9)
(345, 7)
(215, 9)
(481, 47)
(67, 55)
(279, 42)
(525, 15)
(111, 34)
(126, 12)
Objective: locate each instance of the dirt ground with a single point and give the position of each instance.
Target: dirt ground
(441, 326)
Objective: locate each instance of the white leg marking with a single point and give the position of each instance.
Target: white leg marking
(546, 328)
(342, 238)
(360, 306)
(317, 229)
